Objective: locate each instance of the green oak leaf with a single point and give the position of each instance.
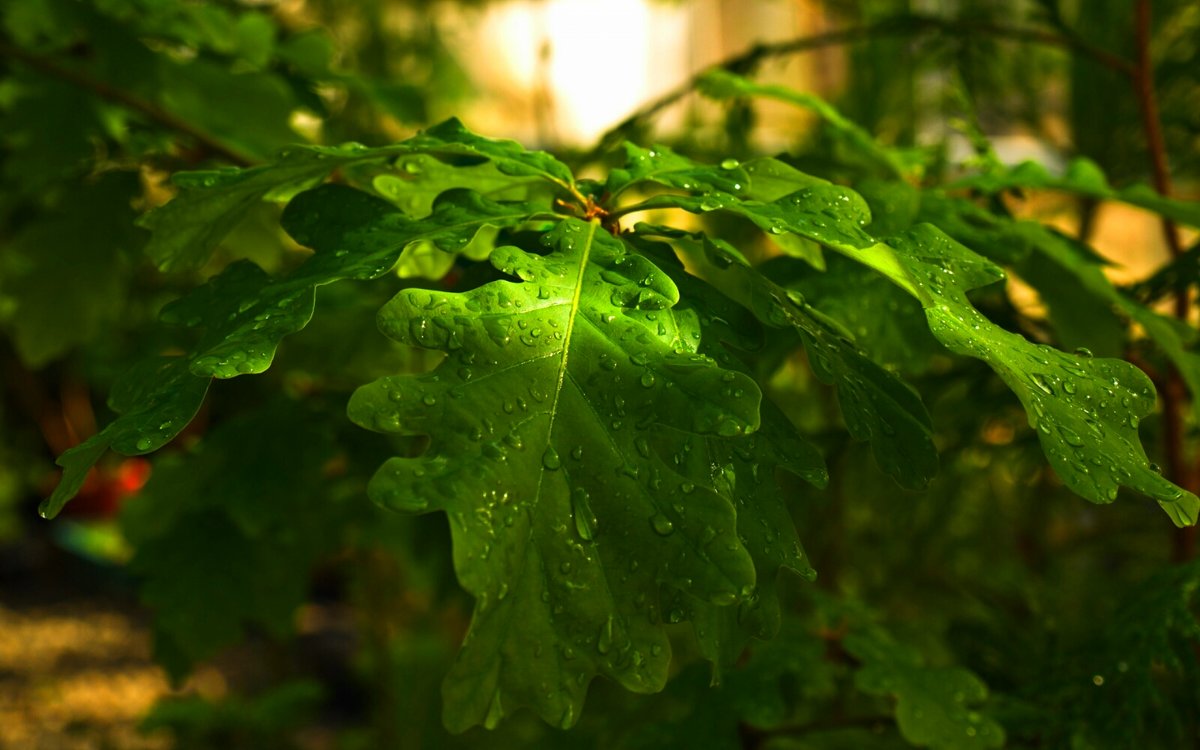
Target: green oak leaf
(663, 166)
(933, 704)
(888, 324)
(565, 519)
(829, 214)
(452, 138)
(878, 407)
(415, 181)
(1082, 177)
(772, 179)
(1084, 304)
(211, 203)
(1176, 340)
(1085, 410)
(245, 313)
(1067, 275)
(743, 469)
(156, 399)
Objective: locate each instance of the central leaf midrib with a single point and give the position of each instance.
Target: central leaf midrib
(572, 314)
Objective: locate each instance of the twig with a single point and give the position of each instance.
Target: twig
(125, 99)
(900, 26)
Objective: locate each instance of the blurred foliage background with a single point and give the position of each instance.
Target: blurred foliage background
(247, 553)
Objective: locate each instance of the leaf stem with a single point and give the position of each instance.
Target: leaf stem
(898, 26)
(129, 101)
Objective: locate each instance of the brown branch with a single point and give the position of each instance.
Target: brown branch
(110, 93)
(909, 25)
(1174, 394)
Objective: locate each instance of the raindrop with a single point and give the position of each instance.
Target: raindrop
(605, 640)
(662, 525)
(1042, 383)
(585, 521)
(1071, 437)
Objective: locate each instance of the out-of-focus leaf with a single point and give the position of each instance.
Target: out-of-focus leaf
(67, 270)
(1082, 177)
(933, 705)
(721, 84)
(226, 536)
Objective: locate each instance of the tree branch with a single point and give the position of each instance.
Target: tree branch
(1174, 394)
(900, 26)
(110, 93)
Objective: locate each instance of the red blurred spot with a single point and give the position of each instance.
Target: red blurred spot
(107, 488)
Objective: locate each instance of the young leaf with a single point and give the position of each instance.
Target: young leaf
(543, 421)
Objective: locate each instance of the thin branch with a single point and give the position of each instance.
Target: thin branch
(125, 99)
(909, 25)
